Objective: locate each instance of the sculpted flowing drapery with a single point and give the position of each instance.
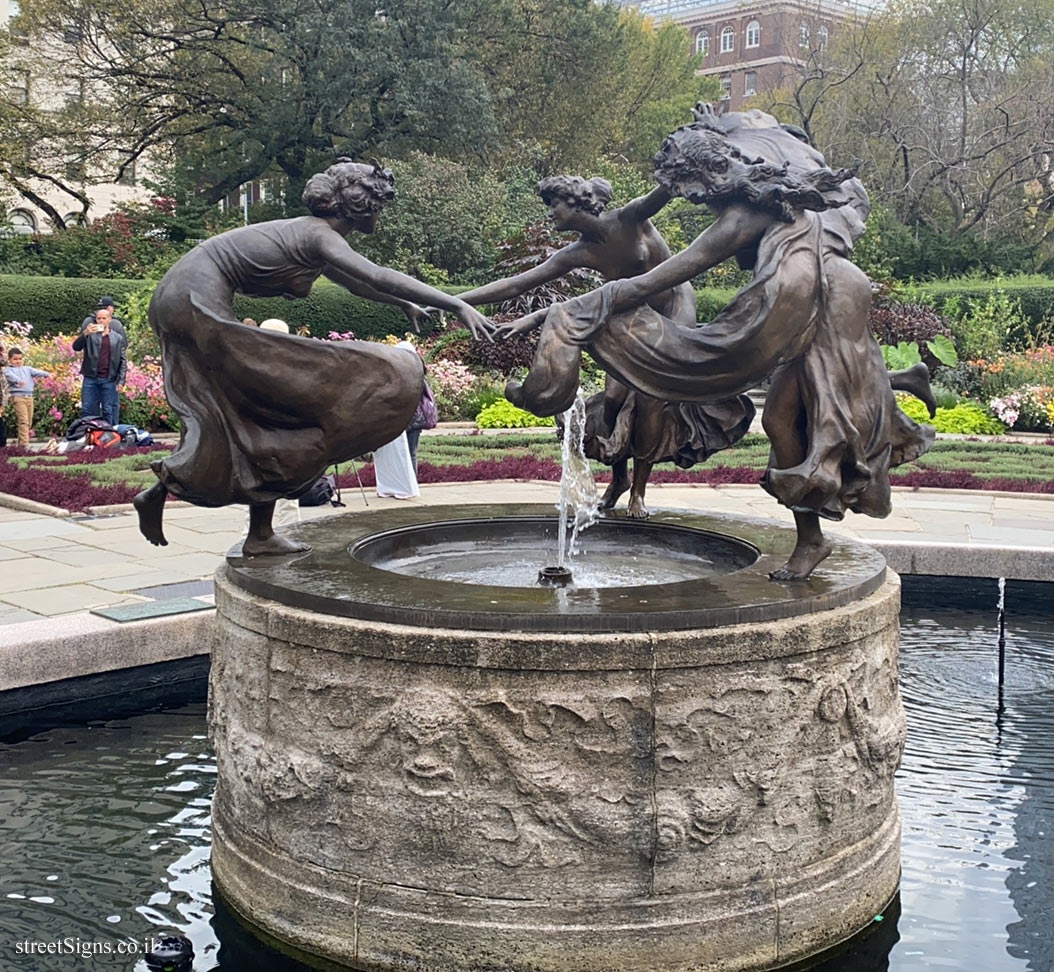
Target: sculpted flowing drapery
(830, 413)
(262, 414)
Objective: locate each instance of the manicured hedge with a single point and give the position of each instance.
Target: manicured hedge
(1035, 294)
(56, 305)
(328, 308)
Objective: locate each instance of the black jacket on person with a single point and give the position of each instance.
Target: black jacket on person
(90, 344)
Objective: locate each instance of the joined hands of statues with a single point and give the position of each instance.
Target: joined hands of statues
(418, 315)
(477, 324)
(521, 325)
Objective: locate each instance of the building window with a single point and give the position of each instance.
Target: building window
(22, 221)
(726, 87)
(702, 43)
(127, 177)
(18, 90)
(75, 219)
(75, 97)
(803, 35)
(728, 40)
(822, 32)
(750, 83)
(753, 34)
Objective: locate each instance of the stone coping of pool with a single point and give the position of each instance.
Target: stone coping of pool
(78, 645)
(329, 580)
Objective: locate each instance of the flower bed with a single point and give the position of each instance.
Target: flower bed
(99, 478)
(58, 398)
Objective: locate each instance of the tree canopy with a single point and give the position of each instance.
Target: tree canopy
(950, 105)
(225, 94)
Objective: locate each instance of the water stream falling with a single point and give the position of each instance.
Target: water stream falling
(578, 488)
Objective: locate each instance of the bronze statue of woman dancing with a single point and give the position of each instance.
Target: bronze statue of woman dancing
(830, 415)
(263, 414)
(620, 422)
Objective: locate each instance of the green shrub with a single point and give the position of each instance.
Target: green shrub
(504, 415)
(1029, 300)
(965, 418)
(710, 301)
(57, 305)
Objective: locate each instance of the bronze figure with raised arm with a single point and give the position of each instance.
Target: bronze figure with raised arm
(263, 414)
(622, 423)
(833, 423)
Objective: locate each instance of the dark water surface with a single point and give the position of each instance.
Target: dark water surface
(104, 825)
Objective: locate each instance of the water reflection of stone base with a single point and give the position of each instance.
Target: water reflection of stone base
(706, 799)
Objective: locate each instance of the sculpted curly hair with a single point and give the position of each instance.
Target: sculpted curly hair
(589, 195)
(349, 189)
(694, 163)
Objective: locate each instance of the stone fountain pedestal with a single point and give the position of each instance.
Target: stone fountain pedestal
(443, 794)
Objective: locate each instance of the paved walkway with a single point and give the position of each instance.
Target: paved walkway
(51, 566)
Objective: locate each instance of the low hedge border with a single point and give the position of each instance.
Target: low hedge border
(1035, 294)
(56, 305)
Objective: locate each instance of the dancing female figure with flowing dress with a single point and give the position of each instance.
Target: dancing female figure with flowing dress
(620, 422)
(830, 415)
(262, 414)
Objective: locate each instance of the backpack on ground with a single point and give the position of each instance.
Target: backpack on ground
(324, 490)
(80, 427)
(133, 435)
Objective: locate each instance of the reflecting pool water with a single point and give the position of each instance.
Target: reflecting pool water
(104, 824)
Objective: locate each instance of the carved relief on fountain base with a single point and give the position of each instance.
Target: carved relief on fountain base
(657, 813)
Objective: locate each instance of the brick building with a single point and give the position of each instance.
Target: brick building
(754, 46)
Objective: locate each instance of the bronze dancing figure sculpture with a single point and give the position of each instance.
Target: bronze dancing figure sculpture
(263, 414)
(831, 417)
(620, 422)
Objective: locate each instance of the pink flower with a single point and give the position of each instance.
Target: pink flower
(55, 414)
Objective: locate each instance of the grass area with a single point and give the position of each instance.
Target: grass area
(97, 478)
(985, 459)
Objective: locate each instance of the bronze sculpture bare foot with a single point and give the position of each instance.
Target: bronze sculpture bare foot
(262, 540)
(150, 505)
(915, 381)
(636, 510)
(803, 561)
(274, 544)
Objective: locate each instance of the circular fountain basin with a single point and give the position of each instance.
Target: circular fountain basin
(690, 774)
(508, 552)
(674, 570)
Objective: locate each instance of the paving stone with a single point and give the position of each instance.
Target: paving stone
(18, 615)
(1009, 537)
(37, 526)
(83, 555)
(144, 578)
(193, 565)
(63, 600)
(164, 592)
(11, 553)
(46, 574)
